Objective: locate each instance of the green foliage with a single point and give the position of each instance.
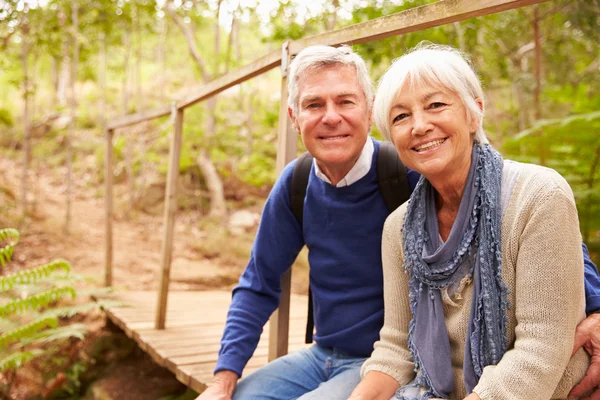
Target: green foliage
(26, 331)
(33, 275)
(6, 118)
(18, 358)
(36, 301)
(11, 238)
(30, 318)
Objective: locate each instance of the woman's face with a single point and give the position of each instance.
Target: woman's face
(431, 131)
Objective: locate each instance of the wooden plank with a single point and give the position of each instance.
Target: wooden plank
(133, 119)
(231, 79)
(108, 206)
(411, 20)
(169, 216)
(286, 152)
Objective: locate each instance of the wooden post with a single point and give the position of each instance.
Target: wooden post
(108, 206)
(169, 215)
(286, 152)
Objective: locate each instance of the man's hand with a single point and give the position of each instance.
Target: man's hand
(221, 387)
(588, 336)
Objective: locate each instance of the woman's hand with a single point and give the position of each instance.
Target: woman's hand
(375, 386)
(473, 396)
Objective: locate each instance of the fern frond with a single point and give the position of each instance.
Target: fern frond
(49, 335)
(33, 275)
(36, 301)
(12, 237)
(26, 331)
(68, 312)
(15, 360)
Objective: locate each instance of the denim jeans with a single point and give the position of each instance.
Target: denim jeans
(315, 373)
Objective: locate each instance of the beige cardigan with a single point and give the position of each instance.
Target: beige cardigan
(543, 268)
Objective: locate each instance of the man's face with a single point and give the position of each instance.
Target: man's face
(333, 118)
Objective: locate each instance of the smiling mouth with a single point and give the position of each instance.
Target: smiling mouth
(429, 145)
(333, 137)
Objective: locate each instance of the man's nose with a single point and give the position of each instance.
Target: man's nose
(332, 115)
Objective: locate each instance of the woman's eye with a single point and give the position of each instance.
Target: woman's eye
(399, 117)
(437, 104)
(347, 102)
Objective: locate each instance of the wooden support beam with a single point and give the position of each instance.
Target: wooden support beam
(169, 216)
(108, 206)
(133, 119)
(286, 152)
(233, 78)
(414, 19)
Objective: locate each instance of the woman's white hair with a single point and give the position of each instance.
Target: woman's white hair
(436, 65)
(316, 57)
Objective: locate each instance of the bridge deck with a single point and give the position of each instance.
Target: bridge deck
(195, 319)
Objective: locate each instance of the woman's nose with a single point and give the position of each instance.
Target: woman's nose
(421, 123)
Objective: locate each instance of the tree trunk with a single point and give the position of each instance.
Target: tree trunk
(26, 133)
(73, 110)
(138, 62)
(213, 181)
(161, 58)
(214, 184)
(129, 139)
(250, 125)
(587, 212)
(212, 178)
(538, 82)
(63, 75)
(102, 82)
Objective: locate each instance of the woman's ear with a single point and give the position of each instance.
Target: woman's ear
(476, 120)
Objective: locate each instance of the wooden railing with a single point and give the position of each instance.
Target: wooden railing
(415, 19)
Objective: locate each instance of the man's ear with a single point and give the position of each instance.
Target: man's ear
(293, 119)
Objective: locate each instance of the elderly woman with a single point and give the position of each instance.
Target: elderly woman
(483, 272)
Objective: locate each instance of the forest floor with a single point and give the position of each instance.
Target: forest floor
(137, 244)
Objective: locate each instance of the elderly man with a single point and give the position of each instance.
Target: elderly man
(330, 99)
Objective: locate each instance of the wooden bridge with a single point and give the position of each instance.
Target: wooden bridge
(189, 343)
(184, 335)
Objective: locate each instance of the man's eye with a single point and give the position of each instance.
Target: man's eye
(399, 117)
(313, 105)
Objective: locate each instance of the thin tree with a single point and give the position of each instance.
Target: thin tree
(25, 47)
(72, 109)
(213, 181)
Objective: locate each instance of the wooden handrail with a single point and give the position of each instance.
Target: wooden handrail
(133, 119)
(249, 71)
(414, 19)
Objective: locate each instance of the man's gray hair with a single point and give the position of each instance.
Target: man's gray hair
(316, 57)
(436, 65)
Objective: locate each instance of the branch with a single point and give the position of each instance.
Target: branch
(191, 41)
(6, 38)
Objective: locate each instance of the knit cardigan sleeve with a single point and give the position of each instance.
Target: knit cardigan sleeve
(391, 355)
(545, 251)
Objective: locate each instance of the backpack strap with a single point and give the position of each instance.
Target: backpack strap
(392, 177)
(299, 184)
(300, 177)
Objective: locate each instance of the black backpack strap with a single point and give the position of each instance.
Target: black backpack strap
(300, 177)
(299, 183)
(392, 177)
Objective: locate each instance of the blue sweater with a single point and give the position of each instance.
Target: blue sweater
(342, 230)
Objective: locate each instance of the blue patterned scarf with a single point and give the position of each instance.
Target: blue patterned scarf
(472, 250)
